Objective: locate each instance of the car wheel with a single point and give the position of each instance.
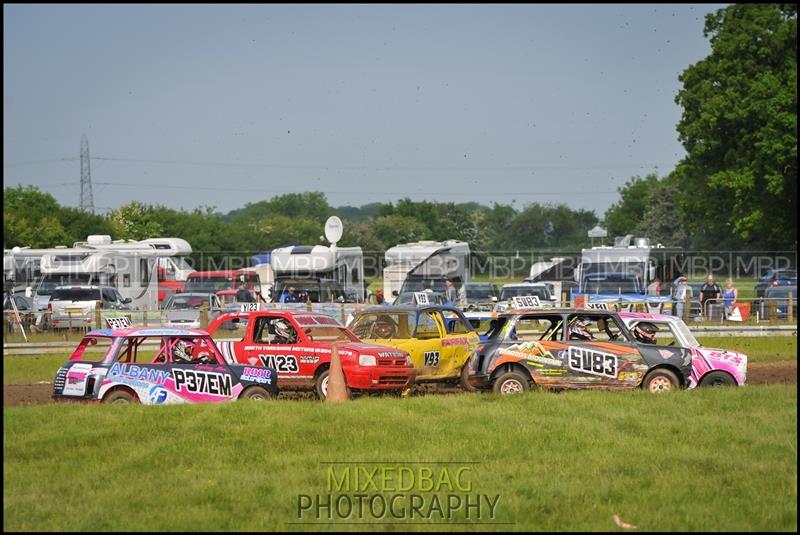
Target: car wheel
(120, 397)
(717, 379)
(258, 393)
(322, 384)
(660, 381)
(464, 379)
(511, 383)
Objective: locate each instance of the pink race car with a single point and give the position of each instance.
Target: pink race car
(710, 367)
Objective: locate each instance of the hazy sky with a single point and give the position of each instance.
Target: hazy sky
(188, 105)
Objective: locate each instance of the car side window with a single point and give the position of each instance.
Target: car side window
(458, 326)
(536, 328)
(263, 331)
(427, 327)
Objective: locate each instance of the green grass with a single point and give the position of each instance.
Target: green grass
(715, 459)
(27, 369)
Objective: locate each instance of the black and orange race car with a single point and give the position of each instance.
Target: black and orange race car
(570, 348)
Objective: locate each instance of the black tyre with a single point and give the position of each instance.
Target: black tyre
(258, 393)
(511, 383)
(321, 384)
(464, 379)
(717, 378)
(660, 381)
(120, 397)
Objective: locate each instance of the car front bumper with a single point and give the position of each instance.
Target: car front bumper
(379, 377)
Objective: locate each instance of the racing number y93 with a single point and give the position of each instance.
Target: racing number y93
(594, 362)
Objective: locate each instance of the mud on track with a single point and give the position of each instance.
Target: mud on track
(757, 374)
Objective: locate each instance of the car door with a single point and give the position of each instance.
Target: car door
(426, 351)
(262, 349)
(603, 360)
(457, 343)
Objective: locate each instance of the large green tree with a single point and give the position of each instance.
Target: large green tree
(626, 214)
(739, 129)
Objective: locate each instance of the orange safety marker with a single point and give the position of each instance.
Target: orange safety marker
(337, 391)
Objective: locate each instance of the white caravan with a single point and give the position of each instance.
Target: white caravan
(413, 267)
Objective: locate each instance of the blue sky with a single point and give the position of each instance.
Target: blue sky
(190, 105)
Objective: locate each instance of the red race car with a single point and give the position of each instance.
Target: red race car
(298, 346)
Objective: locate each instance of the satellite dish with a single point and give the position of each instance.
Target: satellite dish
(333, 229)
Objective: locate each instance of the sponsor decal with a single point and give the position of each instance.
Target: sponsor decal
(308, 359)
(157, 395)
(630, 377)
(593, 362)
(597, 306)
(665, 354)
(197, 382)
(551, 372)
(257, 375)
(390, 354)
(140, 374)
(75, 383)
(447, 342)
(281, 363)
(532, 352)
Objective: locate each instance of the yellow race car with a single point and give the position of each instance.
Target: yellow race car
(439, 338)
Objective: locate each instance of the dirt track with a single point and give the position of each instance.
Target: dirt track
(757, 374)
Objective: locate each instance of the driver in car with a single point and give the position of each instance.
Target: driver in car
(384, 327)
(645, 333)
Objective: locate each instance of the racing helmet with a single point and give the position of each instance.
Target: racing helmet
(580, 329)
(645, 332)
(284, 331)
(181, 351)
(384, 327)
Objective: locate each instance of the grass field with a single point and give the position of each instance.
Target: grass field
(716, 459)
(25, 369)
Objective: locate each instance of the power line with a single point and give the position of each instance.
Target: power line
(403, 168)
(38, 162)
(382, 192)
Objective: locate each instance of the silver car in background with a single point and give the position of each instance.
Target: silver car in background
(183, 310)
(74, 306)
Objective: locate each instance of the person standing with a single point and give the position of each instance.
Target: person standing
(709, 294)
(450, 294)
(243, 295)
(654, 288)
(682, 291)
(730, 295)
(461, 301)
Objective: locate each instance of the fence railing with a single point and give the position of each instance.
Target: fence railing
(749, 311)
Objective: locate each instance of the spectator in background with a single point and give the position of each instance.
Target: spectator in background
(450, 294)
(655, 287)
(682, 291)
(731, 294)
(243, 295)
(709, 293)
(461, 300)
(290, 296)
(379, 298)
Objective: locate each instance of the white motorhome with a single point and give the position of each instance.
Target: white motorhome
(325, 274)
(413, 267)
(558, 274)
(636, 259)
(128, 267)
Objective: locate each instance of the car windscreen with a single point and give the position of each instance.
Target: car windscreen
(185, 302)
(51, 282)
(76, 294)
(304, 290)
(329, 334)
(484, 292)
(209, 284)
(373, 325)
(611, 287)
(515, 291)
(780, 291)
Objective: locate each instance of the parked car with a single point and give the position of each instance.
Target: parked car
(556, 348)
(157, 366)
(298, 346)
(27, 315)
(775, 277)
(480, 295)
(224, 283)
(710, 367)
(74, 306)
(439, 352)
(780, 295)
(183, 310)
(539, 290)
